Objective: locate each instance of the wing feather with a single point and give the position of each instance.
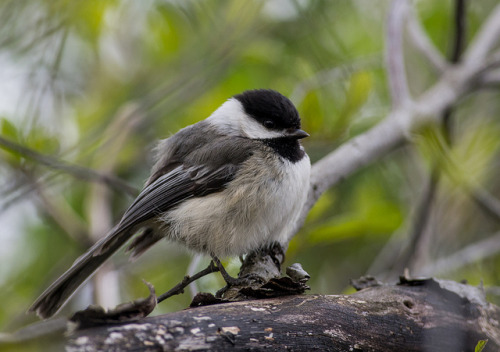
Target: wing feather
(170, 189)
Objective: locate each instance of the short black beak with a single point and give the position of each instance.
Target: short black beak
(297, 133)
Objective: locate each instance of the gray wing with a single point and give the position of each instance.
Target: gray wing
(174, 187)
(167, 191)
(196, 167)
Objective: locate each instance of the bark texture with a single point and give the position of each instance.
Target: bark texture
(415, 315)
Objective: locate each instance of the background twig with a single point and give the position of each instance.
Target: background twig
(394, 55)
(71, 169)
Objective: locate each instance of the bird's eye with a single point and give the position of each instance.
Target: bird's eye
(268, 124)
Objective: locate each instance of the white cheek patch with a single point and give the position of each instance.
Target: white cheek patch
(254, 130)
(232, 120)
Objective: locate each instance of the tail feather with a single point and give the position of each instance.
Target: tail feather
(56, 295)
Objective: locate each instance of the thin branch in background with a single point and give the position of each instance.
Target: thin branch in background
(489, 204)
(77, 171)
(490, 80)
(489, 77)
(195, 261)
(415, 251)
(394, 55)
(63, 216)
(16, 191)
(492, 62)
(54, 207)
(467, 255)
(423, 44)
(59, 55)
(485, 41)
(459, 37)
(383, 265)
(42, 35)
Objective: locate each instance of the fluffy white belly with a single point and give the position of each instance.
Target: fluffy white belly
(248, 214)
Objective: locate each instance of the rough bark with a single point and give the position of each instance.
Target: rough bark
(416, 315)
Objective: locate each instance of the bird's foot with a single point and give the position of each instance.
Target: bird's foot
(233, 281)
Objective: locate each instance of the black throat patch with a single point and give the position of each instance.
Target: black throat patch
(286, 147)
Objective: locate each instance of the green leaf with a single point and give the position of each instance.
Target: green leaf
(311, 110)
(360, 86)
(7, 129)
(480, 345)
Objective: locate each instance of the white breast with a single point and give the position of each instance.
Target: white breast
(249, 213)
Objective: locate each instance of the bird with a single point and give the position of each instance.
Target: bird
(224, 186)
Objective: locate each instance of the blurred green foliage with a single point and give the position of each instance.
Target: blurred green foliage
(100, 81)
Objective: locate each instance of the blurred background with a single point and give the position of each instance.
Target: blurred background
(87, 87)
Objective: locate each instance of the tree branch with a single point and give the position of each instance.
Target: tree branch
(416, 315)
(394, 55)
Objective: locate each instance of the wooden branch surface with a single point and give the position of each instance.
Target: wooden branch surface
(428, 315)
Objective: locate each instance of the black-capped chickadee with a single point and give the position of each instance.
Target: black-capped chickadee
(224, 186)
